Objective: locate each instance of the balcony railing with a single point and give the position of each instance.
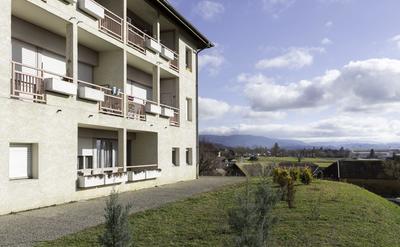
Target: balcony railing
(174, 64)
(113, 103)
(136, 38)
(175, 119)
(27, 82)
(135, 108)
(112, 25)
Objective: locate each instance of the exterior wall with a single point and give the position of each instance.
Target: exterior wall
(53, 127)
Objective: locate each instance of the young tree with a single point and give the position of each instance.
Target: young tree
(252, 220)
(275, 150)
(118, 232)
(372, 154)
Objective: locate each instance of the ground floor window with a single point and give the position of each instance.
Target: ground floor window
(189, 156)
(175, 156)
(107, 153)
(20, 161)
(85, 162)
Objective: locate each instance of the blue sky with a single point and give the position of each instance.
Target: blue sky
(314, 70)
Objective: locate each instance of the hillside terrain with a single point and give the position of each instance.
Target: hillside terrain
(326, 214)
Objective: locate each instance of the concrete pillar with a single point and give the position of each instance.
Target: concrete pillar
(5, 48)
(156, 28)
(71, 50)
(122, 148)
(125, 15)
(156, 84)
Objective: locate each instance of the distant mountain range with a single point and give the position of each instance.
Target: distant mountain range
(254, 141)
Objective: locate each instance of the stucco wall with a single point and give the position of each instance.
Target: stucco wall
(53, 127)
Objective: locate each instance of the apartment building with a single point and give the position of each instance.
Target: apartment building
(95, 95)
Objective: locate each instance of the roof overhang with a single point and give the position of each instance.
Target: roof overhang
(170, 11)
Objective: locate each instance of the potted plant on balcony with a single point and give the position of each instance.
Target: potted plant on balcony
(115, 178)
(90, 181)
(136, 176)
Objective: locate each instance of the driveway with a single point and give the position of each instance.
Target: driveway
(27, 228)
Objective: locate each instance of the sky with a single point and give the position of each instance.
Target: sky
(312, 70)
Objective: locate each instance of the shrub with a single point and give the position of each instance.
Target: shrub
(283, 178)
(290, 192)
(306, 176)
(276, 173)
(117, 231)
(294, 173)
(252, 219)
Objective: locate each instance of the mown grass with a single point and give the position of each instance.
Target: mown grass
(322, 162)
(348, 216)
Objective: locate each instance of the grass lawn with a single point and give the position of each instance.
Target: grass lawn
(349, 216)
(322, 162)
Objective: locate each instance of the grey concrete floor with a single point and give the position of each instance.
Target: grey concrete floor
(30, 227)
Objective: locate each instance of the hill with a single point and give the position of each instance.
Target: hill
(326, 214)
(252, 141)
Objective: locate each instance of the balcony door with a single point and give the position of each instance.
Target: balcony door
(107, 153)
(139, 90)
(25, 54)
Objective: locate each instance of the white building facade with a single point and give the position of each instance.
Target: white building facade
(95, 94)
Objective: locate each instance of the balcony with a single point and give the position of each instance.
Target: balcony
(112, 25)
(172, 113)
(110, 100)
(142, 42)
(30, 83)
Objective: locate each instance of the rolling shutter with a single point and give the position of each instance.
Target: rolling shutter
(20, 161)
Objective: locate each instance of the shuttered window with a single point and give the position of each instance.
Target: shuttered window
(20, 161)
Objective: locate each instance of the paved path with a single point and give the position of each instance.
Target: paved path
(28, 228)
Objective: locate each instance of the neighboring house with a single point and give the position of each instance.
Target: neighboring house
(94, 94)
(378, 154)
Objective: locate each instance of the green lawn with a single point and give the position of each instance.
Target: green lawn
(322, 162)
(349, 216)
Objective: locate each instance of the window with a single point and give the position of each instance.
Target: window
(107, 153)
(188, 59)
(189, 109)
(189, 156)
(85, 162)
(20, 161)
(175, 156)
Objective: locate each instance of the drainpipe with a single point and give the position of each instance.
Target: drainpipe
(197, 114)
(338, 169)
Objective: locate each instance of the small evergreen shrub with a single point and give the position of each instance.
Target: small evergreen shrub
(290, 192)
(294, 173)
(251, 220)
(276, 173)
(283, 178)
(117, 231)
(306, 176)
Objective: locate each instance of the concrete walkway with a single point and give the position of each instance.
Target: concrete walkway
(28, 228)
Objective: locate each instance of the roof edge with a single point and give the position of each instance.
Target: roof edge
(201, 37)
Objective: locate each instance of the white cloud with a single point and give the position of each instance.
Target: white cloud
(212, 109)
(277, 7)
(358, 85)
(338, 128)
(212, 60)
(209, 9)
(328, 24)
(396, 40)
(326, 41)
(294, 58)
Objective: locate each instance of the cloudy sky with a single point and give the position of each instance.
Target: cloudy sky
(313, 70)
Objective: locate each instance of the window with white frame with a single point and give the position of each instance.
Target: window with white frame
(175, 156)
(189, 109)
(189, 156)
(20, 161)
